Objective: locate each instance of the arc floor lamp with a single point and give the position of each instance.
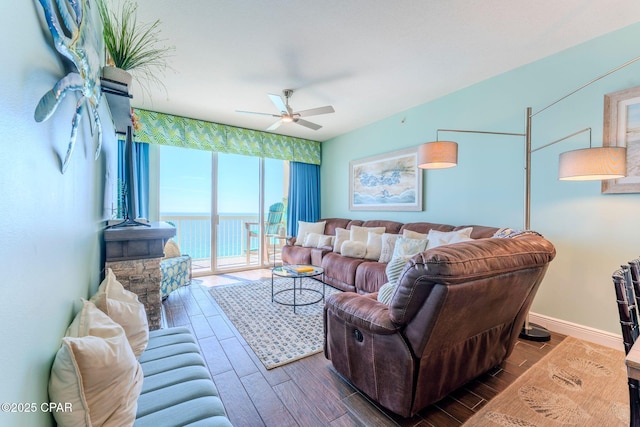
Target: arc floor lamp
(593, 163)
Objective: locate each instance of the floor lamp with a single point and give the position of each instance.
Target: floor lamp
(593, 163)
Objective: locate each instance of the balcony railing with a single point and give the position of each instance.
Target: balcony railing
(193, 234)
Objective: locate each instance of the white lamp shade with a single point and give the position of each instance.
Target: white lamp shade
(438, 155)
(593, 164)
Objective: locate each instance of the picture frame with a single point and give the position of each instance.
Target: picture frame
(387, 182)
(622, 129)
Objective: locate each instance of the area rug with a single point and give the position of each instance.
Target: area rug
(274, 332)
(577, 384)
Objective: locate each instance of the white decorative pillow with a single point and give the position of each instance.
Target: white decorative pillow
(304, 228)
(171, 249)
(123, 307)
(413, 234)
(312, 240)
(374, 246)
(387, 246)
(360, 234)
(325, 240)
(439, 238)
(353, 249)
(385, 292)
(342, 235)
(406, 247)
(96, 372)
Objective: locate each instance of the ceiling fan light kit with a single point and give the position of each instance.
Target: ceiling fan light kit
(287, 115)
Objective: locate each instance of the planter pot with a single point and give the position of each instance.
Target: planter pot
(117, 75)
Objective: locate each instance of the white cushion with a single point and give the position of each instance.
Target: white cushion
(171, 249)
(360, 234)
(304, 228)
(413, 234)
(353, 249)
(439, 238)
(387, 245)
(123, 307)
(374, 246)
(96, 372)
(311, 241)
(385, 292)
(342, 235)
(406, 247)
(325, 240)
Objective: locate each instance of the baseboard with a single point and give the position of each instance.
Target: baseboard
(578, 331)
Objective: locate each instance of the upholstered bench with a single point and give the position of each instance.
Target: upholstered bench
(177, 388)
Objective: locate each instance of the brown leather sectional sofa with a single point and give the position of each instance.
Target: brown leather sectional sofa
(456, 313)
(357, 274)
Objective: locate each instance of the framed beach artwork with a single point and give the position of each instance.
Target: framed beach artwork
(388, 182)
(622, 129)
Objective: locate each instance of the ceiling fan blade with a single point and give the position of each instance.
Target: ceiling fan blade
(316, 111)
(255, 112)
(279, 103)
(275, 126)
(307, 124)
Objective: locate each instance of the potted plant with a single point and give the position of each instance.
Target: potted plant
(132, 47)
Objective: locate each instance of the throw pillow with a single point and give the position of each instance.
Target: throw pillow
(406, 247)
(394, 268)
(123, 307)
(304, 228)
(342, 235)
(353, 249)
(312, 240)
(171, 249)
(325, 240)
(385, 293)
(439, 238)
(374, 246)
(413, 234)
(387, 246)
(96, 372)
(360, 234)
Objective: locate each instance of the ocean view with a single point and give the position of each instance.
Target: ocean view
(193, 233)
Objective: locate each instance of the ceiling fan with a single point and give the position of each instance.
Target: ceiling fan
(287, 115)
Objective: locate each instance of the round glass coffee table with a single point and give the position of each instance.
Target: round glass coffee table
(298, 272)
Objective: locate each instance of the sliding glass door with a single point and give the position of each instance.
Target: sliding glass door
(229, 209)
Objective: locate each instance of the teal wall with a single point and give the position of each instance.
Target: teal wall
(49, 223)
(593, 233)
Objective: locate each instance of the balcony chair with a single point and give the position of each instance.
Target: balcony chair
(627, 285)
(271, 233)
(175, 269)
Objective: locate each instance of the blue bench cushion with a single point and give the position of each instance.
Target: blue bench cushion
(177, 387)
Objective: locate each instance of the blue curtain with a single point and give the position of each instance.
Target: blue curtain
(141, 155)
(304, 195)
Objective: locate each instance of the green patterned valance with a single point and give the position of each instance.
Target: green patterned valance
(165, 129)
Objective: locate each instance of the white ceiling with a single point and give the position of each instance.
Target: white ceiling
(369, 59)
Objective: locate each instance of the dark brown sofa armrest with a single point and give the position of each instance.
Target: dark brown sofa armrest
(290, 240)
(361, 311)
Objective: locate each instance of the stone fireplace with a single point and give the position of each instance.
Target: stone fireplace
(133, 253)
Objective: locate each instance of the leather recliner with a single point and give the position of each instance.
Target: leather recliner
(456, 313)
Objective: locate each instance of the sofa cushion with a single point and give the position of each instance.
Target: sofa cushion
(360, 234)
(304, 228)
(413, 234)
(95, 371)
(353, 249)
(374, 246)
(386, 292)
(439, 238)
(370, 276)
(123, 307)
(171, 249)
(388, 244)
(342, 235)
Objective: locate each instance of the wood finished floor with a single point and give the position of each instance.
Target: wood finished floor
(309, 392)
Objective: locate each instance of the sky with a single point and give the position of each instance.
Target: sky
(185, 181)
